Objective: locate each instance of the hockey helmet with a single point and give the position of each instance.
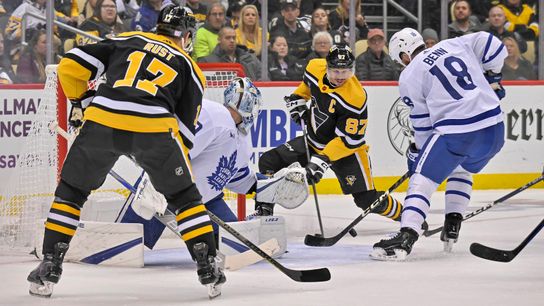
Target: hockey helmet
(340, 57)
(406, 41)
(244, 97)
(175, 21)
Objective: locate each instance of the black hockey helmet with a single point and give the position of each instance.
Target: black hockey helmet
(175, 21)
(340, 56)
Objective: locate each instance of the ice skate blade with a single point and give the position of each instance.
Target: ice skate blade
(381, 254)
(43, 291)
(214, 290)
(448, 245)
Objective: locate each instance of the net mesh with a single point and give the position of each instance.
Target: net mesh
(26, 197)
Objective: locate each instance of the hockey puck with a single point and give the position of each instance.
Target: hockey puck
(353, 233)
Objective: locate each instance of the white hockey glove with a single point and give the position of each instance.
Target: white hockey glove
(316, 168)
(288, 187)
(297, 107)
(148, 201)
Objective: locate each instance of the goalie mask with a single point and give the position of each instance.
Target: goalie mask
(242, 96)
(176, 21)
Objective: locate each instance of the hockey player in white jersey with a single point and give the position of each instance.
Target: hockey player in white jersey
(453, 90)
(220, 160)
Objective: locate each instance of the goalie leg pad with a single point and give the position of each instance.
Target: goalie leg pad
(152, 228)
(219, 207)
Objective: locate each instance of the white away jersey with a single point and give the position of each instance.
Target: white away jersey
(446, 88)
(220, 154)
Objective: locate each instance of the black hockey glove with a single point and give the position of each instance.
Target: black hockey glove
(316, 168)
(297, 107)
(78, 107)
(411, 155)
(494, 79)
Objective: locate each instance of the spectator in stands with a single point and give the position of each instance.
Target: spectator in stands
(521, 19)
(227, 51)
(288, 26)
(321, 44)
(69, 9)
(320, 23)
(374, 64)
(307, 7)
(249, 33)
(430, 37)
(339, 20)
(6, 73)
(87, 11)
(103, 23)
(496, 26)
(13, 29)
(515, 66)
(206, 37)
(31, 67)
(235, 8)
(281, 65)
(199, 10)
(464, 22)
(2, 9)
(146, 18)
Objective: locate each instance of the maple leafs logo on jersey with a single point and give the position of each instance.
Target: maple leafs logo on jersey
(224, 171)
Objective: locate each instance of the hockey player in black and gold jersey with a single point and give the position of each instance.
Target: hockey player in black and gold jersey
(336, 121)
(146, 109)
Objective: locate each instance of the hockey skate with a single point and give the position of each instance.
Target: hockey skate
(209, 272)
(397, 247)
(450, 232)
(261, 210)
(48, 272)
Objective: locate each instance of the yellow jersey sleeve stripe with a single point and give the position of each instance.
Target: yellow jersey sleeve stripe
(190, 212)
(198, 232)
(73, 77)
(66, 208)
(60, 229)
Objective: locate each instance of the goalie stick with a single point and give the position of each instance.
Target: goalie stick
(312, 240)
(493, 254)
(314, 275)
(429, 233)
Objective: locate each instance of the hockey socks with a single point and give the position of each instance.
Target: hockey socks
(194, 226)
(61, 224)
(390, 208)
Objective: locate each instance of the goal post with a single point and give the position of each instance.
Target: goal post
(26, 197)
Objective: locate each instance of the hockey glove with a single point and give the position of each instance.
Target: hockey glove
(78, 107)
(297, 107)
(494, 79)
(316, 168)
(411, 155)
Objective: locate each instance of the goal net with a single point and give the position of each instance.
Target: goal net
(25, 198)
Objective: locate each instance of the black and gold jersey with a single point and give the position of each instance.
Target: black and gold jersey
(151, 85)
(338, 115)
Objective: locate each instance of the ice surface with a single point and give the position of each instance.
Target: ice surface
(429, 277)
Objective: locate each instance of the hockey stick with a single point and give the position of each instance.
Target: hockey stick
(315, 275)
(493, 254)
(304, 134)
(484, 208)
(322, 241)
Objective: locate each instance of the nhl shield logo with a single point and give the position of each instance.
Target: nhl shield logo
(350, 179)
(179, 171)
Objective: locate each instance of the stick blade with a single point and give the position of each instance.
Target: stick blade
(309, 276)
(318, 241)
(489, 253)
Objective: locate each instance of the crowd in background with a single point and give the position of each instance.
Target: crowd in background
(298, 31)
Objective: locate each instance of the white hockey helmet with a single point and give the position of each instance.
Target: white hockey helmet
(242, 96)
(406, 41)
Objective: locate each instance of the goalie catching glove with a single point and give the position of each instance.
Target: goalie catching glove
(297, 107)
(78, 107)
(288, 187)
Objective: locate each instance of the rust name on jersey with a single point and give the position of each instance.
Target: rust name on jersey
(159, 50)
